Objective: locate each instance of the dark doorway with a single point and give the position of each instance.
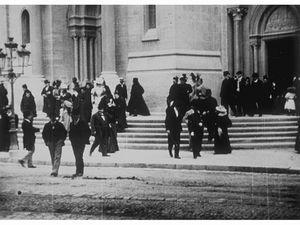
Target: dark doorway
(282, 62)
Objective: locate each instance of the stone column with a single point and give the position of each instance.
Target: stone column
(98, 53)
(108, 46)
(36, 40)
(76, 57)
(255, 46)
(85, 58)
(92, 58)
(237, 13)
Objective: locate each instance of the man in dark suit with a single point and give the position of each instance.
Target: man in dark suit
(28, 139)
(227, 92)
(173, 128)
(257, 89)
(173, 92)
(28, 104)
(209, 116)
(183, 100)
(79, 135)
(100, 129)
(54, 135)
(122, 89)
(195, 125)
(239, 86)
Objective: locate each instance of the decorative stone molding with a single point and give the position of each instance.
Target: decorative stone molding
(281, 19)
(237, 12)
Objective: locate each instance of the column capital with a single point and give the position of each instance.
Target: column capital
(255, 42)
(237, 12)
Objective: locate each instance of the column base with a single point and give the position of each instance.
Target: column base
(111, 79)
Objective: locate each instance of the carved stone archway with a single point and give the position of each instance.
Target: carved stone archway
(267, 23)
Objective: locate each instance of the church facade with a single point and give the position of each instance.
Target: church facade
(154, 43)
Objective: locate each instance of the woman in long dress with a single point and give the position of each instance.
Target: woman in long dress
(221, 140)
(136, 104)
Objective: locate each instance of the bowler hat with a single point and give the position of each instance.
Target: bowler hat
(46, 81)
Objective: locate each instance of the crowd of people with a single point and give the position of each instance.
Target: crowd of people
(194, 104)
(79, 111)
(244, 97)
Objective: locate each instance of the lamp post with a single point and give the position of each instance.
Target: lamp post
(23, 54)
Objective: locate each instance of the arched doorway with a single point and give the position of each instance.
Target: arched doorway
(274, 34)
(282, 61)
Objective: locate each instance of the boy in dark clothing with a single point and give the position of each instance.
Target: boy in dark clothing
(195, 125)
(28, 139)
(173, 128)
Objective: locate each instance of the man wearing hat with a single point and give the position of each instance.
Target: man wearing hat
(173, 127)
(227, 92)
(3, 96)
(184, 91)
(28, 104)
(28, 139)
(239, 88)
(79, 135)
(122, 89)
(100, 129)
(257, 89)
(54, 135)
(173, 91)
(48, 98)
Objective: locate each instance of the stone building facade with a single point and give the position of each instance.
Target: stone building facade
(154, 43)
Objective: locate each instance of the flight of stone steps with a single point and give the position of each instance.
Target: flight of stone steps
(148, 133)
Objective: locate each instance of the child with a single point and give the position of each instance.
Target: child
(289, 105)
(194, 120)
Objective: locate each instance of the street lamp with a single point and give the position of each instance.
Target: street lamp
(23, 54)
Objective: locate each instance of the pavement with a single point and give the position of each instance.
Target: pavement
(261, 161)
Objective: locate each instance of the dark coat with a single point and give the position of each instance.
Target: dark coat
(195, 123)
(48, 100)
(173, 93)
(54, 132)
(227, 90)
(257, 90)
(183, 102)
(28, 105)
(221, 142)
(173, 124)
(101, 130)
(248, 104)
(3, 97)
(29, 135)
(122, 90)
(137, 104)
(121, 113)
(79, 133)
(4, 132)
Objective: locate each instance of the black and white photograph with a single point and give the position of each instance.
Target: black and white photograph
(149, 110)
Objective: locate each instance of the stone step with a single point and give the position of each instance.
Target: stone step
(185, 134)
(236, 146)
(231, 129)
(185, 140)
(236, 124)
(185, 145)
